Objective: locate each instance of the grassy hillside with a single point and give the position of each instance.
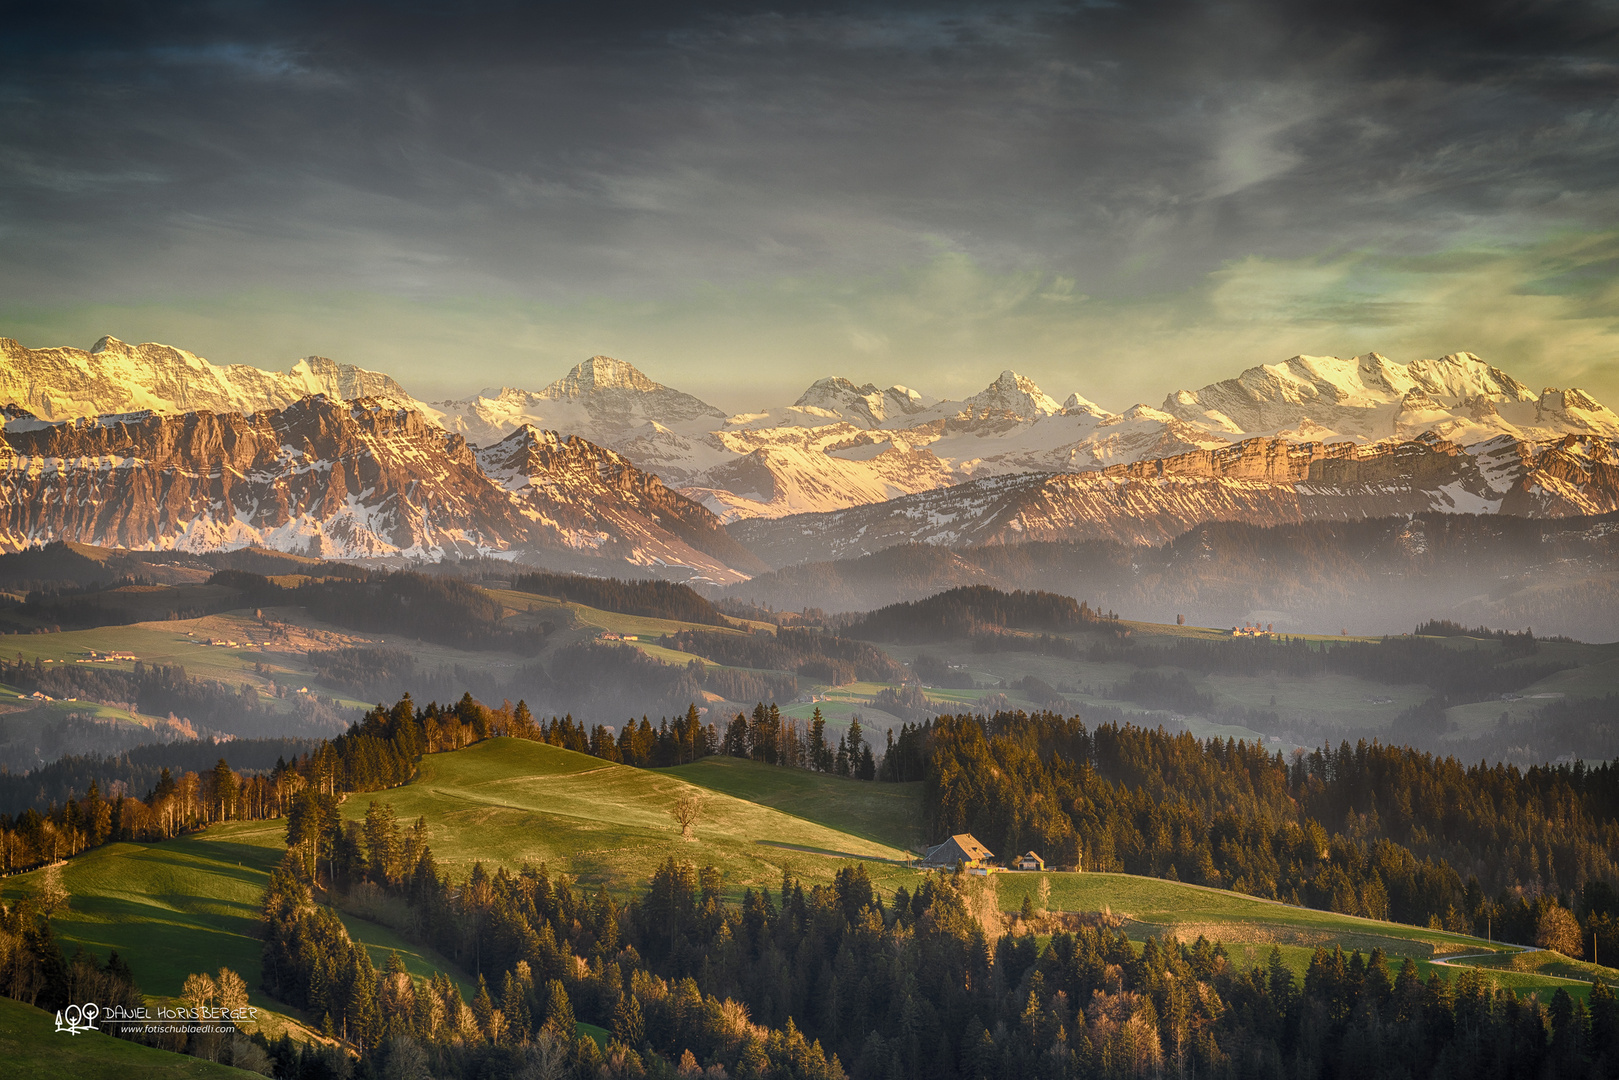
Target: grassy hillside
(32, 1050)
(1307, 708)
(191, 904)
(1249, 927)
(512, 801)
(883, 813)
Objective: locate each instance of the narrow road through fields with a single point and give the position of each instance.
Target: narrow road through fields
(1456, 961)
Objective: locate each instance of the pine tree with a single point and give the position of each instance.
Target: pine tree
(559, 1019)
(512, 1003)
(628, 1026)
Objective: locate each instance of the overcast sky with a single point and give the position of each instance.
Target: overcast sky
(1115, 198)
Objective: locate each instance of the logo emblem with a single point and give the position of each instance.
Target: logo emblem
(77, 1018)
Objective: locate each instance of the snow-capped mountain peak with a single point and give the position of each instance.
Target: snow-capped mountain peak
(616, 391)
(608, 401)
(117, 377)
(864, 406)
(1463, 375)
(1015, 394)
(1076, 405)
(1371, 398)
(597, 374)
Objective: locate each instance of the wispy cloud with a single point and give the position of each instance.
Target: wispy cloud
(1546, 312)
(1117, 197)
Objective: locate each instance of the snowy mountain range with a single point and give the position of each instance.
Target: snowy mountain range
(605, 466)
(1263, 481)
(349, 480)
(841, 445)
(114, 377)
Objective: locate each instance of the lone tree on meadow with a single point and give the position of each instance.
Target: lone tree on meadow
(1558, 930)
(687, 811)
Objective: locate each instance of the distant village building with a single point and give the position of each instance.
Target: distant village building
(1029, 861)
(960, 848)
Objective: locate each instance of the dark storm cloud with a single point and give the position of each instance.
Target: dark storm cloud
(629, 150)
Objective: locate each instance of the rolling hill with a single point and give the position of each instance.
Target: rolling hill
(192, 904)
(512, 801)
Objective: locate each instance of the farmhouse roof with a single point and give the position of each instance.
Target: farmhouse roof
(962, 847)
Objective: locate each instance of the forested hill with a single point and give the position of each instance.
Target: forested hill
(139, 768)
(836, 979)
(1380, 831)
(657, 599)
(972, 610)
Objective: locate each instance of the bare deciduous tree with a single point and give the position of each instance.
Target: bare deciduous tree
(50, 893)
(545, 1058)
(687, 811)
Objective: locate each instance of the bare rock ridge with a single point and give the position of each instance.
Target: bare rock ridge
(603, 504)
(361, 479)
(1259, 481)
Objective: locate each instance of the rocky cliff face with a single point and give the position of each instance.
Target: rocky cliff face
(1259, 481)
(584, 499)
(65, 383)
(360, 480)
(354, 480)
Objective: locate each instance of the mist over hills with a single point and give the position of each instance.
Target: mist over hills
(1371, 576)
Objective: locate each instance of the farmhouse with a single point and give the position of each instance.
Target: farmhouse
(1029, 861)
(960, 848)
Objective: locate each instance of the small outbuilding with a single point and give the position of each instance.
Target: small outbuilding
(1029, 861)
(961, 848)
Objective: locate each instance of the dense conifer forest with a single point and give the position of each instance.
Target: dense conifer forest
(1384, 832)
(840, 980)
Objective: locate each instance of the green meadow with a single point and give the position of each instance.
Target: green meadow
(511, 801)
(883, 813)
(191, 904)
